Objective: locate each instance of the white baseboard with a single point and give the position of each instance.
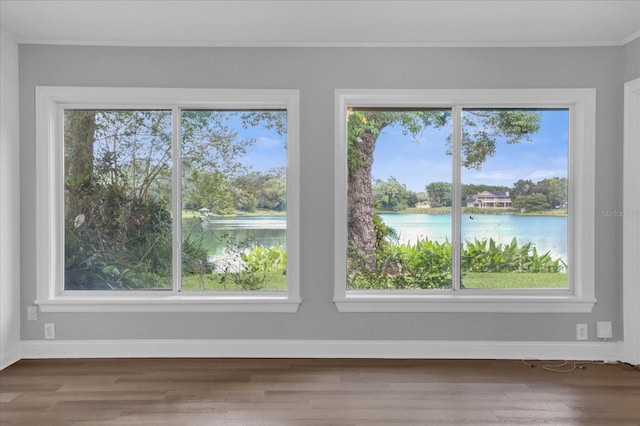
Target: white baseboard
(587, 351)
(9, 358)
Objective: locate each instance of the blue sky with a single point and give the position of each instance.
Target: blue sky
(419, 162)
(268, 151)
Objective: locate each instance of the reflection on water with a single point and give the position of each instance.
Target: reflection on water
(238, 232)
(548, 233)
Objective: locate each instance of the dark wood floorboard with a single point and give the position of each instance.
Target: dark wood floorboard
(315, 392)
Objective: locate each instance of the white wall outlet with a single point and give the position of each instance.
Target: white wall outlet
(604, 330)
(582, 332)
(32, 313)
(50, 331)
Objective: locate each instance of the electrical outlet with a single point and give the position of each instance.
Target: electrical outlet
(582, 332)
(604, 330)
(32, 313)
(50, 331)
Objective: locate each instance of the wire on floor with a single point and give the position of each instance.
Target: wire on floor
(564, 366)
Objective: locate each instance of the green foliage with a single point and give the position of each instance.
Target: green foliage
(266, 259)
(439, 194)
(393, 195)
(427, 264)
(531, 203)
(215, 176)
(489, 256)
(384, 233)
(118, 225)
(545, 194)
(259, 264)
(555, 189)
(362, 122)
(522, 187)
(270, 119)
(194, 257)
(482, 128)
(210, 190)
(123, 244)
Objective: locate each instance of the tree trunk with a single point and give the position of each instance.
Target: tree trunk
(361, 232)
(79, 128)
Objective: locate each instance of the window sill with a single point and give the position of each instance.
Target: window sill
(171, 303)
(354, 302)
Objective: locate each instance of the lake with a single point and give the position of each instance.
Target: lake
(548, 233)
(218, 232)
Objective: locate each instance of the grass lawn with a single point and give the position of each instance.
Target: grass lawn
(270, 281)
(513, 280)
(470, 280)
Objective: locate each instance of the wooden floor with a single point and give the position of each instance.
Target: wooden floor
(315, 392)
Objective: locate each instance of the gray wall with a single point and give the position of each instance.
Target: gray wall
(316, 72)
(632, 60)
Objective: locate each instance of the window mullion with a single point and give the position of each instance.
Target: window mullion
(176, 198)
(456, 190)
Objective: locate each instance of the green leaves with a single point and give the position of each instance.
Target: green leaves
(427, 263)
(482, 128)
(266, 259)
(393, 195)
(439, 194)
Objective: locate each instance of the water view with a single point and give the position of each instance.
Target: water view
(219, 233)
(547, 233)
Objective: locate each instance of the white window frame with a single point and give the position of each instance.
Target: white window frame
(50, 105)
(579, 297)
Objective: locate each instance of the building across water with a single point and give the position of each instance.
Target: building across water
(491, 200)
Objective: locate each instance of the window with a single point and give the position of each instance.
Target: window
(465, 200)
(167, 199)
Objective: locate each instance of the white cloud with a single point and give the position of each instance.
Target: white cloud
(545, 174)
(497, 177)
(269, 143)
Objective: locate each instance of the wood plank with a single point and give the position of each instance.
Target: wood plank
(315, 392)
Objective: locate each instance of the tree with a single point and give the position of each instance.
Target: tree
(481, 129)
(555, 189)
(264, 190)
(363, 129)
(393, 195)
(210, 190)
(118, 185)
(522, 187)
(117, 223)
(531, 203)
(211, 145)
(439, 194)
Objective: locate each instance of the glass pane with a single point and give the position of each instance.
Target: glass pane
(399, 199)
(514, 198)
(234, 200)
(117, 187)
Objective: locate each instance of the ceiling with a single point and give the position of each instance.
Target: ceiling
(323, 22)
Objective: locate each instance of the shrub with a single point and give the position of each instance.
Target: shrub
(427, 263)
(266, 259)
